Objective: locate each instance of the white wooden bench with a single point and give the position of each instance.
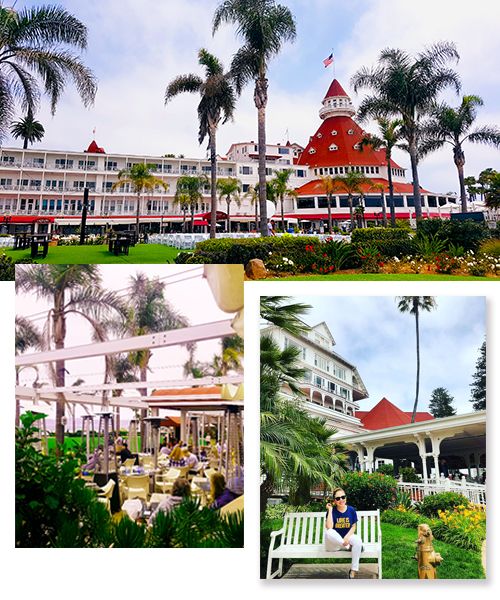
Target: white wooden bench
(302, 536)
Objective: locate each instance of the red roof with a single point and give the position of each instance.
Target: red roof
(94, 148)
(316, 188)
(386, 414)
(335, 89)
(344, 133)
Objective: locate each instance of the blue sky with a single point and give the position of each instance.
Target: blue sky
(370, 332)
(136, 48)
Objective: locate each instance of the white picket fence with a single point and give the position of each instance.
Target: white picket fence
(474, 492)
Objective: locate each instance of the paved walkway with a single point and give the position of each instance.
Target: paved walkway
(329, 571)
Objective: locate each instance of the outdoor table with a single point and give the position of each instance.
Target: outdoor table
(22, 240)
(39, 245)
(119, 245)
(101, 479)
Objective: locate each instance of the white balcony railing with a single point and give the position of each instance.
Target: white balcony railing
(474, 492)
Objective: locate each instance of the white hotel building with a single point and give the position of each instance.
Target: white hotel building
(332, 385)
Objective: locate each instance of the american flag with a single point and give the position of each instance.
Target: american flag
(328, 61)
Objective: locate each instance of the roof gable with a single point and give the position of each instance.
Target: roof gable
(386, 414)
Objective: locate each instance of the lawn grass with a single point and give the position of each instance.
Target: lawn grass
(382, 277)
(74, 255)
(398, 549)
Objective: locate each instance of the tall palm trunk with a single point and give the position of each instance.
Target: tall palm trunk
(25, 144)
(59, 324)
(412, 149)
(351, 212)
(282, 214)
(391, 192)
(459, 158)
(192, 217)
(228, 225)
(138, 214)
(256, 214)
(213, 183)
(414, 413)
(260, 99)
(329, 207)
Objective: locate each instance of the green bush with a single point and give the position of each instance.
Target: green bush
(386, 470)
(369, 491)
(403, 518)
(409, 475)
(467, 234)
(388, 241)
(430, 505)
(403, 499)
(491, 247)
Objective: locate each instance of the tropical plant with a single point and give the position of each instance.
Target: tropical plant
(141, 179)
(229, 190)
(264, 27)
(390, 136)
(415, 305)
(452, 126)
(478, 385)
(28, 129)
(492, 192)
(71, 290)
(281, 189)
(35, 53)
(352, 183)
(189, 192)
(428, 247)
(406, 88)
(217, 104)
(26, 336)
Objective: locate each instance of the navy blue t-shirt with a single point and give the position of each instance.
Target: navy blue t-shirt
(343, 521)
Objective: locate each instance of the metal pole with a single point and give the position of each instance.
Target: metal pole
(84, 215)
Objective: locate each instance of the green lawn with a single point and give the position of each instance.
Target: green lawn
(383, 277)
(398, 549)
(139, 254)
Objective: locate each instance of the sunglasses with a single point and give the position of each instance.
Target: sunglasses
(339, 498)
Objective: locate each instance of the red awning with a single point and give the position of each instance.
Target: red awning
(200, 222)
(26, 219)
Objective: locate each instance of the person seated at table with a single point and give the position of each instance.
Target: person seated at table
(126, 454)
(96, 459)
(191, 460)
(219, 493)
(181, 489)
(176, 457)
(119, 444)
(203, 455)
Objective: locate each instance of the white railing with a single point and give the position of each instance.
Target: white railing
(6, 242)
(474, 492)
(187, 241)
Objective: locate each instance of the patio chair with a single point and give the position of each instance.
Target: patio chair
(137, 486)
(165, 481)
(233, 506)
(128, 463)
(148, 462)
(104, 494)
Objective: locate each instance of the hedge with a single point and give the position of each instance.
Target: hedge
(369, 491)
(388, 241)
(467, 234)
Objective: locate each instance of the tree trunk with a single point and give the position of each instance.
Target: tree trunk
(329, 207)
(260, 99)
(301, 494)
(351, 212)
(25, 145)
(414, 414)
(459, 158)
(412, 149)
(213, 183)
(282, 214)
(266, 490)
(228, 226)
(256, 215)
(59, 321)
(138, 214)
(391, 193)
(384, 214)
(192, 218)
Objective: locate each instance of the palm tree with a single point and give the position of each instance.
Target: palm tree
(28, 129)
(253, 194)
(406, 87)
(492, 193)
(35, 53)
(26, 336)
(452, 126)
(380, 187)
(147, 312)
(415, 305)
(229, 191)
(351, 183)
(141, 179)
(264, 27)
(330, 186)
(281, 189)
(218, 100)
(189, 192)
(389, 138)
(184, 201)
(72, 290)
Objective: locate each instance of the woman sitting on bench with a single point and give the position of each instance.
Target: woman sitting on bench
(340, 531)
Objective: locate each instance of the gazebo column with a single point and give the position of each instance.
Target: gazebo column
(477, 460)
(183, 425)
(370, 457)
(436, 445)
(420, 441)
(361, 455)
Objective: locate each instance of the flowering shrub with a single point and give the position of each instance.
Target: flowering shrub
(464, 526)
(371, 259)
(434, 503)
(446, 264)
(369, 491)
(279, 263)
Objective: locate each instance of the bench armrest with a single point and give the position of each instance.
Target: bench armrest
(274, 535)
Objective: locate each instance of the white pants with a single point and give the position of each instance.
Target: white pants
(334, 541)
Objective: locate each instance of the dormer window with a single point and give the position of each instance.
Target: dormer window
(320, 135)
(357, 146)
(312, 150)
(334, 132)
(350, 132)
(333, 147)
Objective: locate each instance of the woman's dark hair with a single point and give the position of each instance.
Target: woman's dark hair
(181, 487)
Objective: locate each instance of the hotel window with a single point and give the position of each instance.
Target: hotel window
(291, 344)
(318, 381)
(300, 173)
(307, 376)
(356, 146)
(5, 181)
(333, 147)
(350, 132)
(111, 165)
(332, 387)
(334, 132)
(107, 186)
(246, 170)
(377, 170)
(312, 151)
(38, 162)
(319, 135)
(7, 159)
(245, 187)
(283, 151)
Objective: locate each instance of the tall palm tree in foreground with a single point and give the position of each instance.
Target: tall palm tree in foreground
(229, 190)
(264, 27)
(71, 290)
(218, 100)
(390, 136)
(415, 305)
(141, 179)
(351, 183)
(29, 129)
(37, 54)
(452, 126)
(407, 87)
(330, 187)
(282, 189)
